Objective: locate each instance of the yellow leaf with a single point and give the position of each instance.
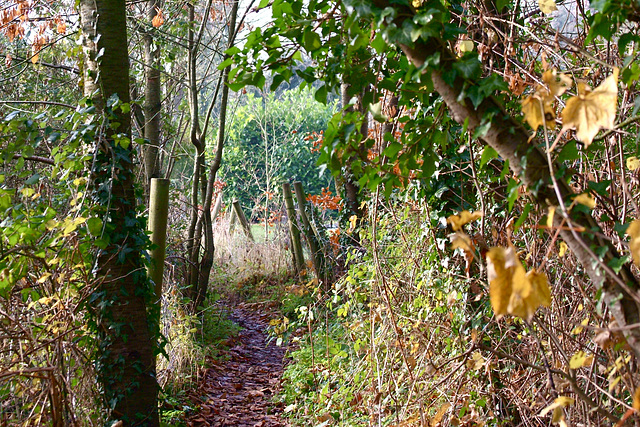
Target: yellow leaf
(353, 220)
(511, 289)
(577, 360)
(538, 110)
(520, 301)
(499, 280)
(478, 361)
(550, 214)
(589, 112)
(585, 199)
(465, 46)
(558, 83)
(541, 294)
(636, 399)
(614, 382)
(563, 249)
(633, 163)
(458, 221)
(559, 402)
(634, 244)
(547, 6)
(460, 240)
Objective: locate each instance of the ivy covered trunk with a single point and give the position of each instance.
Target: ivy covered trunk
(124, 358)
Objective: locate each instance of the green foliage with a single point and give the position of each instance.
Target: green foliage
(268, 144)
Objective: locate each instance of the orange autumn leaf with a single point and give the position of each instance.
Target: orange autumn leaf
(158, 20)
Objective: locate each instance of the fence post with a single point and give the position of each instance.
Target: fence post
(243, 219)
(312, 239)
(294, 230)
(158, 213)
(217, 207)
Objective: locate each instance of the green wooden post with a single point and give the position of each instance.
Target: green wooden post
(243, 219)
(316, 253)
(294, 230)
(158, 213)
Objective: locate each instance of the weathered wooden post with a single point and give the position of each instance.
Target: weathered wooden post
(217, 207)
(158, 213)
(243, 219)
(294, 230)
(312, 239)
(233, 218)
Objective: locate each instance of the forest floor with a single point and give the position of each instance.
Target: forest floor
(238, 388)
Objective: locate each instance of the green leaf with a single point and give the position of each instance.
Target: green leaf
(378, 43)
(512, 192)
(600, 187)
(523, 216)
(617, 263)
(569, 152)
(376, 112)
(224, 64)
(232, 51)
(321, 94)
(393, 149)
(487, 154)
(468, 66)
(311, 40)
(94, 225)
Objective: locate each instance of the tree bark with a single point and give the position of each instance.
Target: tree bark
(529, 162)
(201, 225)
(125, 357)
(152, 99)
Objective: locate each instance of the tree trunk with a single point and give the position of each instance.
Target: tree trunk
(201, 225)
(527, 161)
(152, 98)
(125, 357)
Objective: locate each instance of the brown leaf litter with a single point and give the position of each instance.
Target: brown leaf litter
(239, 391)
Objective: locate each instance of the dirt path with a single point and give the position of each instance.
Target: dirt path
(238, 392)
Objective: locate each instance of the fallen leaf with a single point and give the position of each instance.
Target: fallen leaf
(590, 111)
(324, 417)
(440, 414)
(603, 339)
